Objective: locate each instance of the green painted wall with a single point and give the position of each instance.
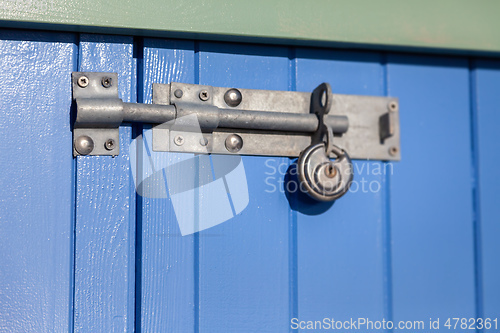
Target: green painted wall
(455, 25)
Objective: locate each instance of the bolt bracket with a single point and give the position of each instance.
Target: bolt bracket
(100, 104)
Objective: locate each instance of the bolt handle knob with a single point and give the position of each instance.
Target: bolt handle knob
(322, 178)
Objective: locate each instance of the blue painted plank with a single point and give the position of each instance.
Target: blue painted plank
(36, 200)
(244, 262)
(167, 269)
(486, 80)
(105, 208)
(431, 190)
(341, 247)
(269, 264)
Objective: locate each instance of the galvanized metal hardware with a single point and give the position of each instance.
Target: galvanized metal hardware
(233, 121)
(99, 114)
(246, 122)
(321, 178)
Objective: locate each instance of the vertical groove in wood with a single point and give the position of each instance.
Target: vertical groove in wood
(105, 207)
(386, 210)
(476, 198)
(136, 131)
(244, 261)
(196, 243)
(167, 268)
(341, 250)
(485, 80)
(292, 214)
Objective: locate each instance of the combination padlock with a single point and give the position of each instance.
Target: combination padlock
(322, 178)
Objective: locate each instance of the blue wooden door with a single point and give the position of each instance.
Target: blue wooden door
(83, 252)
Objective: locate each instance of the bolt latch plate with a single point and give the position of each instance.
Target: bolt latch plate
(370, 134)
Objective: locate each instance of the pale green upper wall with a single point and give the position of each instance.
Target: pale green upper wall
(455, 25)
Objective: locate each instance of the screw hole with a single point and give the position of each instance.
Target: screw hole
(393, 106)
(393, 150)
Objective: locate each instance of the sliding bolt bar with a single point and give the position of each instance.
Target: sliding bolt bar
(112, 112)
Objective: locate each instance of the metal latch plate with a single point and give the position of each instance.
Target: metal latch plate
(373, 123)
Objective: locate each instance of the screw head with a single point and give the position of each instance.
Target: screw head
(204, 95)
(107, 82)
(393, 151)
(179, 140)
(393, 106)
(109, 144)
(234, 143)
(83, 81)
(233, 97)
(84, 145)
(203, 141)
(178, 93)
